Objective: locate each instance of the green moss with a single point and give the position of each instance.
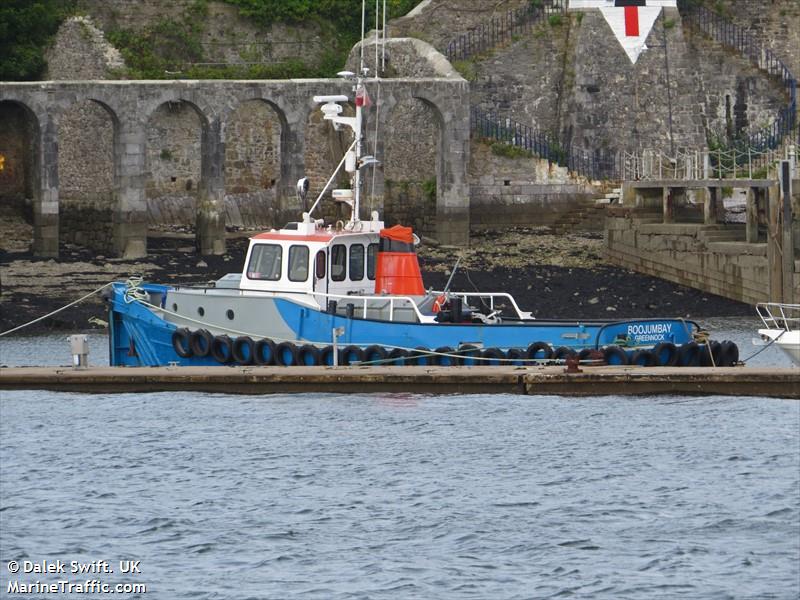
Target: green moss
(467, 68)
(509, 151)
(555, 20)
(429, 189)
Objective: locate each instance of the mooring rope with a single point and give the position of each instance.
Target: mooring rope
(58, 310)
(764, 348)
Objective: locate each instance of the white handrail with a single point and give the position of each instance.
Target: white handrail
(780, 319)
(390, 299)
(491, 296)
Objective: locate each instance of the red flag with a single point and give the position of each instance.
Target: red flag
(362, 97)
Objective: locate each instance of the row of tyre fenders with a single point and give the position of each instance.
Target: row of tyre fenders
(244, 350)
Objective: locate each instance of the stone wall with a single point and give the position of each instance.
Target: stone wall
(696, 255)
(225, 36)
(174, 158)
(776, 23)
(438, 21)
(570, 77)
(735, 97)
(508, 192)
(80, 51)
(86, 175)
(410, 169)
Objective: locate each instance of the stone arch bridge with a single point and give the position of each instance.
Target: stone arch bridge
(129, 104)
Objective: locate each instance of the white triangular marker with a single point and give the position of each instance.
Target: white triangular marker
(633, 45)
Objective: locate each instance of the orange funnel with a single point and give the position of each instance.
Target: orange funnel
(397, 271)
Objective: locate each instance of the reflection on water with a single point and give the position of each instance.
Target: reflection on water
(53, 350)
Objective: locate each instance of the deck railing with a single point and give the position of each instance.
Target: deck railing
(779, 316)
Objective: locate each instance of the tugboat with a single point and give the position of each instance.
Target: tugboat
(313, 293)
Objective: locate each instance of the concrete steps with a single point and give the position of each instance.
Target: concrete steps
(723, 233)
(589, 215)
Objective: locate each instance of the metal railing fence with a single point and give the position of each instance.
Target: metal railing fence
(592, 165)
(503, 29)
(752, 47)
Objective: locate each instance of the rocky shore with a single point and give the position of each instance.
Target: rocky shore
(553, 276)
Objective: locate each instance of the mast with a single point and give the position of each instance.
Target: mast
(353, 159)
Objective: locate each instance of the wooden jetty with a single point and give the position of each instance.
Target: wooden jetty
(591, 381)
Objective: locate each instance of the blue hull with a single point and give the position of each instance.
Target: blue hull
(140, 337)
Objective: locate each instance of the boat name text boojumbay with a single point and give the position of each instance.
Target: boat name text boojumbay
(649, 332)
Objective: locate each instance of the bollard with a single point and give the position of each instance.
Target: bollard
(79, 348)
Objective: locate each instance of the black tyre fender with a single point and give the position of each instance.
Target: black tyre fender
(469, 354)
(222, 349)
(181, 342)
(201, 342)
(420, 356)
(614, 355)
(350, 355)
(517, 357)
(543, 348)
(308, 356)
(585, 354)
(493, 357)
(244, 350)
(264, 353)
(326, 356)
(728, 354)
(644, 358)
(563, 352)
(708, 351)
(397, 356)
(286, 354)
(375, 354)
(689, 355)
(445, 361)
(666, 354)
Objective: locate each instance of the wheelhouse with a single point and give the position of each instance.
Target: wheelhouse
(319, 262)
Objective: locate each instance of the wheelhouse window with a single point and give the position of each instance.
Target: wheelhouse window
(298, 263)
(372, 259)
(320, 265)
(265, 262)
(356, 262)
(338, 262)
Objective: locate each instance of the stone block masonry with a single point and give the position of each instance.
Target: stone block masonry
(507, 192)
(715, 258)
(196, 154)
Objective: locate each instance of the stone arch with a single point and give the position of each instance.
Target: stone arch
(19, 134)
(19, 178)
(176, 162)
(324, 148)
(87, 148)
(412, 165)
(253, 135)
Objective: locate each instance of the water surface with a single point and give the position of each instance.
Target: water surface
(404, 496)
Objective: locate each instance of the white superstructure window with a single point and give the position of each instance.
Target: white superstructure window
(298, 263)
(265, 262)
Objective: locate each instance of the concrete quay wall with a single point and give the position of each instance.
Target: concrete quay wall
(681, 253)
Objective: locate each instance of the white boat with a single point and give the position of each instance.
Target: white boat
(781, 327)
